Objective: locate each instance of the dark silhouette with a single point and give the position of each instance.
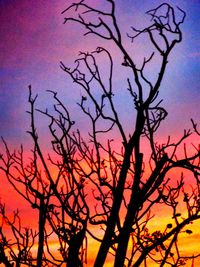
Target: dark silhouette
(98, 182)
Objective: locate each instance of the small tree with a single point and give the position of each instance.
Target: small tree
(58, 197)
(106, 183)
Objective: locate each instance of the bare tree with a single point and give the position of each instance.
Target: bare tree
(19, 244)
(59, 197)
(99, 182)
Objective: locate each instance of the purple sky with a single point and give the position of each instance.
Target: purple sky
(34, 40)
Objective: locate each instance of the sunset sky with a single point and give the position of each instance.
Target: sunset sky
(33, 40)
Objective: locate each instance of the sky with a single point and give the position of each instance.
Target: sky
(34, 40)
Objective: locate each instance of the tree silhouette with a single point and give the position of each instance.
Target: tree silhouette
(100, 186)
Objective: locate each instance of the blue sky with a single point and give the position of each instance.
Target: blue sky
(34, 40)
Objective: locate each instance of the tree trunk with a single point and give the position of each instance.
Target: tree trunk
(136, 201)
(42, 220)
(106, 242)
(112, 220)
(75, 244)
(3, 257)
